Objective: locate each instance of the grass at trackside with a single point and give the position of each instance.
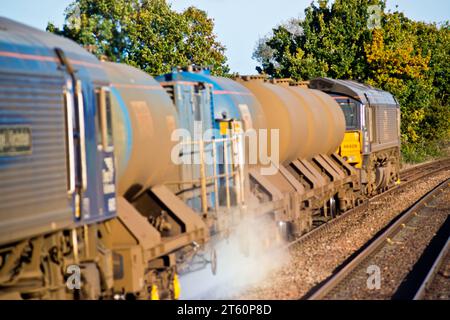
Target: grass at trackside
(426, 151)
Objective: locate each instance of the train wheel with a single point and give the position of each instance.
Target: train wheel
(282, 231)
(332, 205)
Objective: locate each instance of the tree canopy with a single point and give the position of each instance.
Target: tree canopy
(147, 34)
(359, 40)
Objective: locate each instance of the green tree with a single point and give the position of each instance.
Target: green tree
(345, 40)
(147, 34)
(396, 64)
(329, 42)
(410, 59)
(434, 40)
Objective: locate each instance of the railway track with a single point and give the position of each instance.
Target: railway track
(433, 286)
(407, 177)
(416, 171)
(355, 271)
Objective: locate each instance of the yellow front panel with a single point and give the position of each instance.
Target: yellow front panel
(350, 148)
(224, 127)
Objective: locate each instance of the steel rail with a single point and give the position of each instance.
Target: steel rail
(444, 164)
(376, 243)
(433, 271)
(410, 172)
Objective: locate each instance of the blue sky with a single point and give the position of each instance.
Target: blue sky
(239, 23)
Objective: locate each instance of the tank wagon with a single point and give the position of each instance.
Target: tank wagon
(309, 179)
(63, 214)
(372, 139)
(153, 223)
(131, 179)
(222, 110)
(312, 181)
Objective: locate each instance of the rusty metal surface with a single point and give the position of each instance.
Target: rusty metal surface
(137, 231)
(336, 120)
(144, 119)
(247, 104)
(193, 225)
(280, 113)
(309, 122)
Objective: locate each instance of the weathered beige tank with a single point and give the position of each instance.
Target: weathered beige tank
(309, 121)
(143, 120)
(328, 119)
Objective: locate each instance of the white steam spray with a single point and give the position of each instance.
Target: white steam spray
(245, 258)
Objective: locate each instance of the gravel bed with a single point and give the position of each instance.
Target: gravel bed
(396, 260)
(314, 260)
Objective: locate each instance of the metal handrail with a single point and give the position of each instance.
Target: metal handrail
(204, 179)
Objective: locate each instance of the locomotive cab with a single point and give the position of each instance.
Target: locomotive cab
(372, 138)
(57, 174)
(351, 147)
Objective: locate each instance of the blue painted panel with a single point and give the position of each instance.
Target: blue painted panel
(31, 94)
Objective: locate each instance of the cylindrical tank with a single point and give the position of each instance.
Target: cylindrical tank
(309, 122)
(231, 99)
(328, 119)
(144, 118)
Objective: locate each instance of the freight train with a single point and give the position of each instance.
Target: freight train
(113, 182)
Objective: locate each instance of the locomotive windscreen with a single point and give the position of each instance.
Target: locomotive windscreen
(350, 109)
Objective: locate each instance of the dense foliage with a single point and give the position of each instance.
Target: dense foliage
(359, 40)
(144, 33)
